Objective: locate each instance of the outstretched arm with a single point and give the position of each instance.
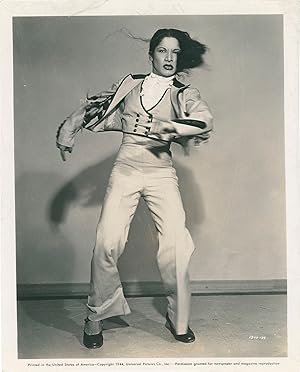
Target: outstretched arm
(65, 136)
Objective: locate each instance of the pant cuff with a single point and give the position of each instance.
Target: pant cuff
(117, 305)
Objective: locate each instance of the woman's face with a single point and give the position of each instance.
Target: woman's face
(164, 58)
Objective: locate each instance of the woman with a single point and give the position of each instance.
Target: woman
(152, 111)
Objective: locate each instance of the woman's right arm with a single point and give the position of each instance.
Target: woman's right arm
(65, 136)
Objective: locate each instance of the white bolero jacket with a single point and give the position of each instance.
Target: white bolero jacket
(102, 112)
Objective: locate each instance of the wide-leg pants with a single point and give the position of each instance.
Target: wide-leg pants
(140, 173)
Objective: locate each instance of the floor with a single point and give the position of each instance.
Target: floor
(224, 325)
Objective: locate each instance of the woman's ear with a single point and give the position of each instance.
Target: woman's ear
(150, 58)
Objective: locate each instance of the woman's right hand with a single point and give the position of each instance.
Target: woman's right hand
(63, 149)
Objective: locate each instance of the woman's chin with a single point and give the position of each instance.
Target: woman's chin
(165, 72)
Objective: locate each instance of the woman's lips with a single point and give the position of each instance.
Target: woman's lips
(168, 67)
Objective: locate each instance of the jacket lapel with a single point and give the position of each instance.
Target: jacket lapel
(177, 98)
(126, 85)
(129, 82)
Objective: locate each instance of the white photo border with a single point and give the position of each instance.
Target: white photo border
(290, 11)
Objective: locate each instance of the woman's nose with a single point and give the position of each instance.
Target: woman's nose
(169, 56)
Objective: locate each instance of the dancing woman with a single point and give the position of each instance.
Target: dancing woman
(152, 111)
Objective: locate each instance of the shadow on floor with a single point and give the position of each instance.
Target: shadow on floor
(64, 315)
(160, 304)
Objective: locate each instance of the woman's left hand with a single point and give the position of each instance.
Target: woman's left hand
(163, 129)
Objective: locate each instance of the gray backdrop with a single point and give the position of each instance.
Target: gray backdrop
(232, 187)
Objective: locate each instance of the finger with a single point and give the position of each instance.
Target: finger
(171, 128)
(63, 155)
(168, 129)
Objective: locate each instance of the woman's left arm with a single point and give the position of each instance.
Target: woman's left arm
(196, 118)
(194, 121)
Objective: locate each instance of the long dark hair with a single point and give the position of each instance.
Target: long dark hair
(191, 51)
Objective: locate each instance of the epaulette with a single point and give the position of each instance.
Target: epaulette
(177, 83)
(139, 76)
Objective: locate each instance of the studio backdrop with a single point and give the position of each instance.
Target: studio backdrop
(233, 187)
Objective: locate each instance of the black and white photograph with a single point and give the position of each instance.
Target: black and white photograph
(151, 190)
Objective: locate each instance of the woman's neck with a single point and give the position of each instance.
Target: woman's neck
(155, 76)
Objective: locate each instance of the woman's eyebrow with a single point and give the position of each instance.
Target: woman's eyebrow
(161, 47)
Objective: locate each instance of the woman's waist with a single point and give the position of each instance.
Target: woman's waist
(137, 139)
(145, 154)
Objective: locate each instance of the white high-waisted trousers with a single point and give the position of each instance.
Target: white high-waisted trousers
(141, 172)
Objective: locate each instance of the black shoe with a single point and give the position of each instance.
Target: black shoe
(92, 341)
(187, 337)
